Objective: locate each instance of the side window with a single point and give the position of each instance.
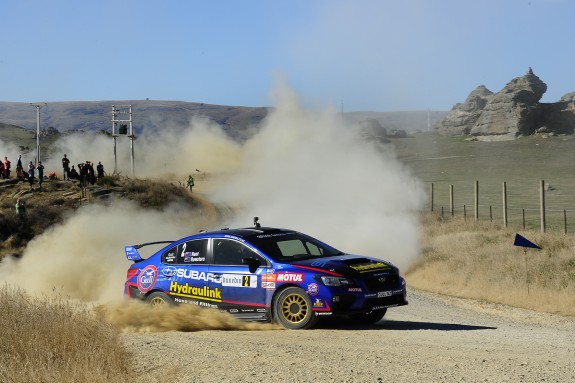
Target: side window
(313, 249)
(291, 247)
(187, 253)
(228, 252)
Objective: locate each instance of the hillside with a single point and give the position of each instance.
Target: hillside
(154, 115)
(59, 199)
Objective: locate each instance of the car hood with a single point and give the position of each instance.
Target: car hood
(349, 265)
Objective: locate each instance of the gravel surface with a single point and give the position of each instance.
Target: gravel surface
(433, 339)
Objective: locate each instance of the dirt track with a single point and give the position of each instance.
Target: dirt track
(433, 339)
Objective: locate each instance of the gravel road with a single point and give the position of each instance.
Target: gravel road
(434, 339)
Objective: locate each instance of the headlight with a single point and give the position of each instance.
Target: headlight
(335, 281)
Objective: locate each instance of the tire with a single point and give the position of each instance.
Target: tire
(368, 318)
(293, 309)
(158, 298)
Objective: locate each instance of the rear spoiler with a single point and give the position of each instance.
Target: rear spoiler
(132, 251)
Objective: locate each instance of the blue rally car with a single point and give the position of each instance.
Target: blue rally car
(264, 273)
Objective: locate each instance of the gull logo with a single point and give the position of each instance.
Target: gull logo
(382, 279)
(147, 278)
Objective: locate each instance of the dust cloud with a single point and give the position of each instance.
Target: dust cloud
(135, 316)
(304, 170)
(310, 172)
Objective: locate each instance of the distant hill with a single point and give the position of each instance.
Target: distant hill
(157, 115)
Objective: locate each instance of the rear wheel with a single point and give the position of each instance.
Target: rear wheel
(368, 318)
(293, 309)
(158, 298)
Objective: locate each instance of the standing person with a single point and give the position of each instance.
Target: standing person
(100, 170)
(65, 166)
(6, 168)
(40, 169)
(19, 168)
(1, 169)
(31, 169)
(190, 183)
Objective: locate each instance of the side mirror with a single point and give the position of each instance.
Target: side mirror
(252, 263)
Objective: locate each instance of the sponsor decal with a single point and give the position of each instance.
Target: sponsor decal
(312, 289)
(197, 275)
(233, 310)
(201, 292)
(147, 278)
(268, 277)
(355, 290)
(193, 257)
(197, 303)
(238, 280)
(318, 303)
(171, 257)
(323, 313)
(289, 277)
(261, 310)
(268, 285)
(382, 294)
(370, 267)
(169, 271)
(318, 263)
(131, 253)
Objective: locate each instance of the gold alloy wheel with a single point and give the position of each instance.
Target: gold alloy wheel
(157, 301)
(294, 308)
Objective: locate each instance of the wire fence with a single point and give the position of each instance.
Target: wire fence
(520, 210)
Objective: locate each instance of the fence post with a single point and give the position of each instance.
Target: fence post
(464, 213)
(451, 199)
(476, 200)
(490, 214)
(431, 195)
(542, 204)
(504, 204)
(523, 211)
(565, 220)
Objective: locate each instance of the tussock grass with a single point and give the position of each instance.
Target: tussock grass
(478, 260)
(55, 340)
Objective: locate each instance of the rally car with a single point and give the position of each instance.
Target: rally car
(266, 274)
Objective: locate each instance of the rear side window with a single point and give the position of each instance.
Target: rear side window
(187, 253)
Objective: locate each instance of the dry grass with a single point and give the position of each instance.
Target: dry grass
(54, 340)
(478, 260)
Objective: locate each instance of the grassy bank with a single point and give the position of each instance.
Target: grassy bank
(478, 260)
(53, 340)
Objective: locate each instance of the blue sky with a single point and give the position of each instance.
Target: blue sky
(385, 55)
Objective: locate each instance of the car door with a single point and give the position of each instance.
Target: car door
(242, 291)
(186, 270)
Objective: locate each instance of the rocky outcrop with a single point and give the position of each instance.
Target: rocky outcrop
(462, 117)
(512, 112)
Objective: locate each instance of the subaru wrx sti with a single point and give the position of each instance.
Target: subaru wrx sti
(266, 274)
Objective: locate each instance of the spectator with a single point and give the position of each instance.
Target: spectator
(20, 207)
(65, 166)
(31, 169)
(19, 168)
(6, 168)
(1, 169)
(190, 183)
(73, 175)
(40, 170)
(100, 170)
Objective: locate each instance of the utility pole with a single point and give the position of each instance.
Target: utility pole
(38, 107)
(122, 126)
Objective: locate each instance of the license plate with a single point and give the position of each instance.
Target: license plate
(382, 294)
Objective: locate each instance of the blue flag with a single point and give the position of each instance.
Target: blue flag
(524, 242)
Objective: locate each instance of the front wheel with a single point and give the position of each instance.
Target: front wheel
(158, 298)
(293, 310)
(368, 318)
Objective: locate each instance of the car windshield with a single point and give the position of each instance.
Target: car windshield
(291, 246)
